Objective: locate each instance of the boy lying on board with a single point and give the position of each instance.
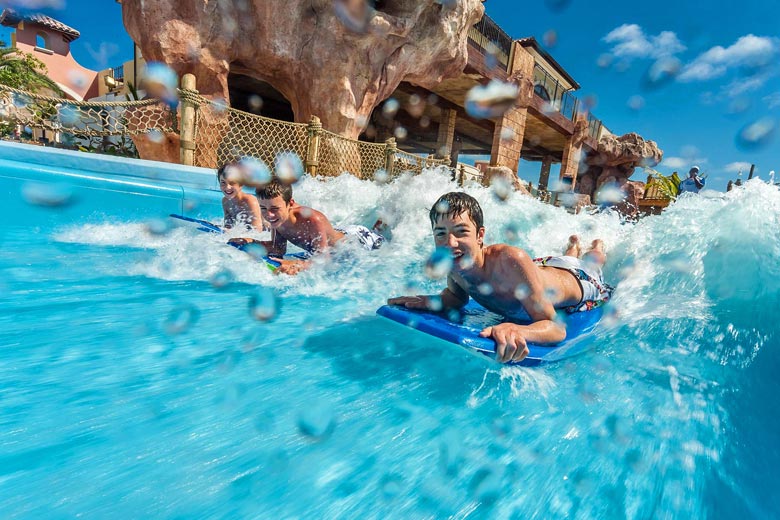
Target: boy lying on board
(505, 280)
(304, 227)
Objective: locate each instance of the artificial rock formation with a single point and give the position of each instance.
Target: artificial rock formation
(614, 161)
(336, 59)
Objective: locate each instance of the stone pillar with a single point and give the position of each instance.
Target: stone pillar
(571, 159)
(508, 139)
(446, 132)
(544, 174)
(510, 128)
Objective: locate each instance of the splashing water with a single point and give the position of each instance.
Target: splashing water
(666, 415)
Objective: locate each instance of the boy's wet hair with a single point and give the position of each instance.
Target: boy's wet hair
(275, 188)
(453, 204)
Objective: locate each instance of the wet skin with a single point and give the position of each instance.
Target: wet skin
(519, 287)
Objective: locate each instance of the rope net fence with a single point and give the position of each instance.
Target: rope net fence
(221, 133)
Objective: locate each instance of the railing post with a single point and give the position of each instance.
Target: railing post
(390, 151)
(313, 145)
(187, 135)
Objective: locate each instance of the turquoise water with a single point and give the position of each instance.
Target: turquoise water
(136, 381)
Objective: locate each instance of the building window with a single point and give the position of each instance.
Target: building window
(41, 41)
(540, 91)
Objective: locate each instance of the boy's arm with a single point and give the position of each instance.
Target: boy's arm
(453, 297)
(254, 214)
(229, 220)
(511, 338)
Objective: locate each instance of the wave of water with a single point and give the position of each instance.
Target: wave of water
(668, 414)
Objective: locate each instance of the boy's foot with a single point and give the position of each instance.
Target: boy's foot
(573, 247)
(597, 253)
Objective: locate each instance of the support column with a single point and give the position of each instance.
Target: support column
(544, 174)
(446, 132)
(571, 159)
(508, 139)
(509, 131)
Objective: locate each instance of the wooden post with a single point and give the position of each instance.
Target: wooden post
(187, 136)
(390, 151)
(752, 167)
(313, 146)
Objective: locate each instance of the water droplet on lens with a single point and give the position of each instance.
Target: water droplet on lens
(501, 188)
(160, 81)
(180, 319)
(435, 304)
(609, 193)
(221, 279)
(511, 233)
(425, 122)
(507, 134)
(263, 304)
(253, 172)
(400, 133)
(306, 212)
(381, 176)
(756, 135)
(557, 5)
(604, 61)
(492, 100)
(636, 103)
(550, 38)
(485, 289)
(158, 226)
(443, 207)
(353, 15)
(391, 486)
(255, 250)
(390, 108)
(661, 72)
(439, 264)
(317, 422)
(48, 195)
(77, 78)
(255, 103)
(522, 291)
(155, 136)
(289, 167)
(68, 115)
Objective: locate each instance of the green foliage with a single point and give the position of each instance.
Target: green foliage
(668, 185)
(24, 71)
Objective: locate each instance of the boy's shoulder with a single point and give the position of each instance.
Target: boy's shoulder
(505, 253)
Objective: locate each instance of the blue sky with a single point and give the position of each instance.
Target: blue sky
(726, 57)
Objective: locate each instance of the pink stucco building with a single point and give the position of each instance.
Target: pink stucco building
(49, 40)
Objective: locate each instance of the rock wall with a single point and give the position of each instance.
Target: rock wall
(336, 59)
(615, 160)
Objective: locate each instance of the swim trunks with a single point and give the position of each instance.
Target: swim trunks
(594, 291)
(367, 238)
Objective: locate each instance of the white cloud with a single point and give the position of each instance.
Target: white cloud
(748, 51)
(772, 100)
(674, 162)
(630, 41)
(735, 167)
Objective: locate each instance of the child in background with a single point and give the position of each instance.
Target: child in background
(238, 207)
(301, 226)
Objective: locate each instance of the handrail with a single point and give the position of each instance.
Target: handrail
(492, 40)
(550, 89)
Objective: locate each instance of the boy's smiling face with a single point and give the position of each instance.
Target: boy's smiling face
(275, 211)
(229, 188)
(460, 235)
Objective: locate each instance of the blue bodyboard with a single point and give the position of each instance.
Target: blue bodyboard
(474, 318)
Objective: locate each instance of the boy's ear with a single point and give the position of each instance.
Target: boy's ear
(481, 235)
